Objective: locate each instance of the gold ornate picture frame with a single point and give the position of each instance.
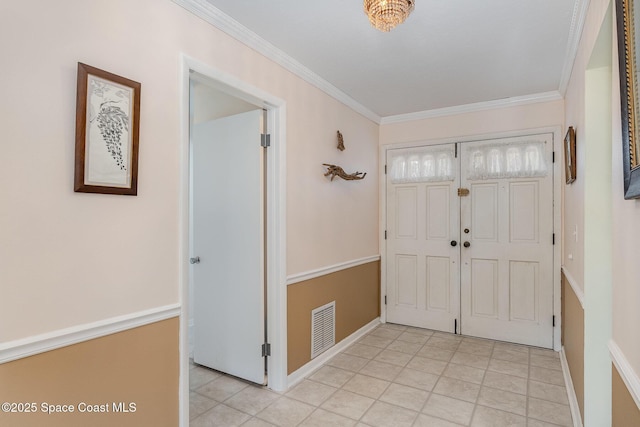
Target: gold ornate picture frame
(570, 155)
(628, 44)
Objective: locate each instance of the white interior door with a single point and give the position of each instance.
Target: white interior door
(422, 225)
(228, 238)
(507, 268)
(497, 281)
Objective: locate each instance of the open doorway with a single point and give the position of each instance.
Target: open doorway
(227, 213)
(215, 102)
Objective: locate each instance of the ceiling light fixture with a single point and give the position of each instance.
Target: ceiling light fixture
(386, 14)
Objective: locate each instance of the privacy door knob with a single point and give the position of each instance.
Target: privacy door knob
(466, 244)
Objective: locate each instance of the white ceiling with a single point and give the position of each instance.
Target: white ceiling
(448, 53)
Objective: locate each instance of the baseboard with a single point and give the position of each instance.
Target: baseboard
(573, 399)
(626, 371)
(312, 274)
(315, 364)
(17, 349)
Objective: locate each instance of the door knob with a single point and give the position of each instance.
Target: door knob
(466, 244)
(454, 243)
(195, 260)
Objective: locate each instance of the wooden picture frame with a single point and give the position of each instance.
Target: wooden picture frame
(628, 43)
(570, 155)
(107, 131)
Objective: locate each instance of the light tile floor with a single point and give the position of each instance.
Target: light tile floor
(399, 376)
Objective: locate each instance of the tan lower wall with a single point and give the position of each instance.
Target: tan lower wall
(139, 366)
(625, 412)
(356, 292)
(573, 339)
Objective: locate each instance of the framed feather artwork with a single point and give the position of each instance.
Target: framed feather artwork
(107, 131)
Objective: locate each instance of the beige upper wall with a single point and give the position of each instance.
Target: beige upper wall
(69, 258)
(625, 213)
(626, 237)
(497, 120)
(573, 204)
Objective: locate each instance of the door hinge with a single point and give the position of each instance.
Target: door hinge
(385, 300)
(455, 326)
(553, 239)
(553, 157)
(456, 150)
(385, 169)
(385, 234)
(266, 349)
(463, 192)
(265, 140)
(553, 321)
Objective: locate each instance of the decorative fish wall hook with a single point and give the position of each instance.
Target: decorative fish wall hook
(334, 171)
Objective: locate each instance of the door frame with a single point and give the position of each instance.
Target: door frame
(275, 224)
(557, 209)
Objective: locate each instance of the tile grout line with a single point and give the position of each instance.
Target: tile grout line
(393, 379)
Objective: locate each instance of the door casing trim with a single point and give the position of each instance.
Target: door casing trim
(275, 224)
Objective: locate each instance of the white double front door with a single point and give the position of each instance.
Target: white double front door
(470, 238)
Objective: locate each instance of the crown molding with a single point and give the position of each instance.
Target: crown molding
(478, 106)
(215, 17)
(580, 8)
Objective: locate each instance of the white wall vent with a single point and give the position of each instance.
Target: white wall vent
(323, 328)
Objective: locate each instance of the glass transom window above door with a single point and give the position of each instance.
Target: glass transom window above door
(485, 160)
(469, 229)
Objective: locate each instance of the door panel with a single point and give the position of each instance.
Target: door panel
(484, 287)
(228, 236)
(506, 272)
(524, 282)
(484, 212)
(438, 280)
(407, 275)
(438, 212)
(423, 268)
(406, 205)
(523, 212)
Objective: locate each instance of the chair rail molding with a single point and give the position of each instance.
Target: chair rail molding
(574, 285)
(628, 374)
(30, 346)
(312, 274)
